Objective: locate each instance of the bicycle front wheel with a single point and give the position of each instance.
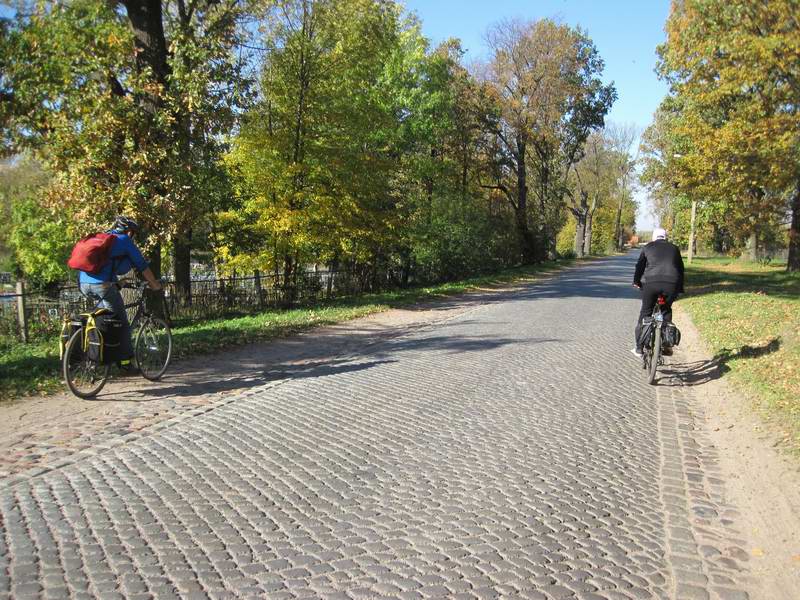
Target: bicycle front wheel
(85, 378)
(655, 358)
(153, 349)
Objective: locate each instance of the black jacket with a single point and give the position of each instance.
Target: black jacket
(660, 262)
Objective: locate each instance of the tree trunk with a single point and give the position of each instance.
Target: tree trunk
(692, 242)
(526, 239)
(752, 247)
(464, 172)
(333, 267)
(587, 240)
(405, 276)
(259, 290)
(145, 17)
(289, 291)
(580, 232)
(181, 262)
(618, 241)
(793, 264)
(154, 257)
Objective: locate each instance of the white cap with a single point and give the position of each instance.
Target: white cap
(659, 233)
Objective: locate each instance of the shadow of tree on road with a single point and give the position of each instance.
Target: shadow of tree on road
(232, 375)
(703, 371)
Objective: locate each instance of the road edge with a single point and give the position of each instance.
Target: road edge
(762, 483)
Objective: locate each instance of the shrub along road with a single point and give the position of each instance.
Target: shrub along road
(507, 445)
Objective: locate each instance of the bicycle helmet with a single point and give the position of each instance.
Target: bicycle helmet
(123, 223)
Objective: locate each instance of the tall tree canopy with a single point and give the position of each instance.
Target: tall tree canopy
(546, 78)
(124, 103)
(360, 146)
(729, 133)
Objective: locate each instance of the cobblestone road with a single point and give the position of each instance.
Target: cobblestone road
(512, 451)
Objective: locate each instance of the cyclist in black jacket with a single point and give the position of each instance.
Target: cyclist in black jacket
(658, 271)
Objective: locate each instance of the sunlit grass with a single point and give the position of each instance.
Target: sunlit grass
(749, 314)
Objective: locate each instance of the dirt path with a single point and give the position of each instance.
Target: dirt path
(763, 483)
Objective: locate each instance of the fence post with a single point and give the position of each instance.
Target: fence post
(22, 319)
(258, 290)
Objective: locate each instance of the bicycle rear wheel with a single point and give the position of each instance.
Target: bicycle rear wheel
(655, 358)
(85, 378)
(153, 348)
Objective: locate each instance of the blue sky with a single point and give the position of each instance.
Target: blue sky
(626, 33)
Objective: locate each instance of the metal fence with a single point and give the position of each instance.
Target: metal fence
(38, 314)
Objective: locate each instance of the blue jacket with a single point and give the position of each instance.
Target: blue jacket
(124, 256)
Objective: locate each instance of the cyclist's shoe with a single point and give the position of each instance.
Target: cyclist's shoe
(636, 352)
(127, 368)
(666, 350)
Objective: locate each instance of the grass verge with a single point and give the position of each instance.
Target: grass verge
(749, 314)
(27, 369)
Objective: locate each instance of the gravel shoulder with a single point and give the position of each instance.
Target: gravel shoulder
(762, 482)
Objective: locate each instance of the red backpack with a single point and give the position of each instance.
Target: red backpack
(92, 253)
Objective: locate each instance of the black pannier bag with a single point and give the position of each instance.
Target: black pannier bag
(646, 332)
(103, 333)
(69, 325)
(671, 334)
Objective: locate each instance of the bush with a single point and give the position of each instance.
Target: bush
(565, 241)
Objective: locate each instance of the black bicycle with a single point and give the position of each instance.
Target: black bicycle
(652, 348)
(87, 371)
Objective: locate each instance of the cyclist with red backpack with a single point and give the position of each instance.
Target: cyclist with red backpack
(100, 259)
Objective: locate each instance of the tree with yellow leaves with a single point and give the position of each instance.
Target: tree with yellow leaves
(734, 70)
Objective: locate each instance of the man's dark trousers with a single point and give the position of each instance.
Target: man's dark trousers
(650, 293)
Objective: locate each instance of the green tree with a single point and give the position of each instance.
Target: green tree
(451, 228)
(21, 179)
(547, 87)
(734, 68)
(125, 103)
(315, 155)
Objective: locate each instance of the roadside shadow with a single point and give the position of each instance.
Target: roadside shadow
(783, 285)
(225, 377)
(324, 369)
(700, 372)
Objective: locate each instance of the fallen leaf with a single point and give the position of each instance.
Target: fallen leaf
(758, 552)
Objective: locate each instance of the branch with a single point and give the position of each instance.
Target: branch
(503, 189)
(579, 214)
(116, 86)
(182, 13)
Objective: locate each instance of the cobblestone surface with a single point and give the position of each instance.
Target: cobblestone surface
(41, 433)
(514, 451)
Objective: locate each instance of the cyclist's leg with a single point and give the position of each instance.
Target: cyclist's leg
(95, 292)
(649, 298)
(108, 296)
(115, 301)
(668, 289)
